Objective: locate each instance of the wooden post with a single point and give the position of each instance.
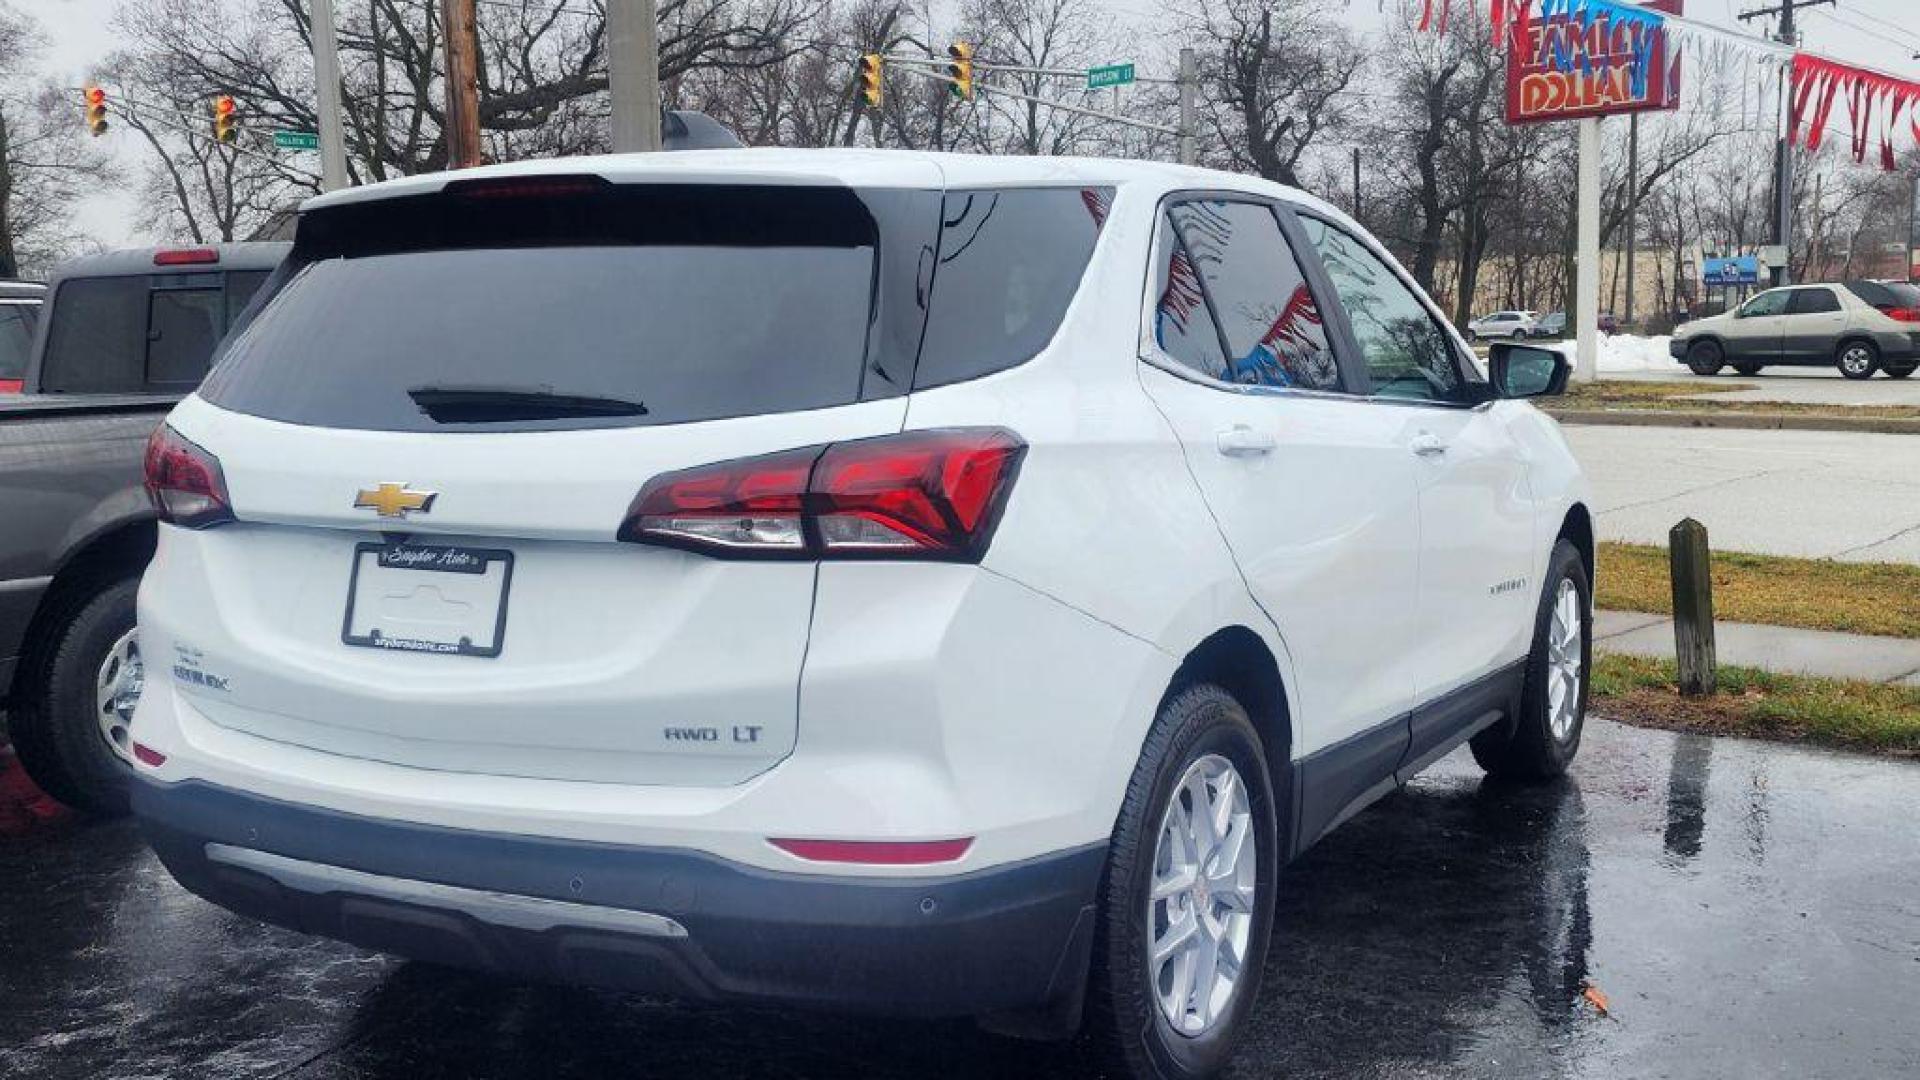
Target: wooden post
(463, 85)
(1692, 571)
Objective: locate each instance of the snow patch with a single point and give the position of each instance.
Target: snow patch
(1626, 353)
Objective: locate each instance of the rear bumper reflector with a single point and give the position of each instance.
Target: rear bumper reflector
(876, 852)
(501, 909)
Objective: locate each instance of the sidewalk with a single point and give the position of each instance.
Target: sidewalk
(1771, 648)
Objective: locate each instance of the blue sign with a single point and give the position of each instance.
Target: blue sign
(1740, 270)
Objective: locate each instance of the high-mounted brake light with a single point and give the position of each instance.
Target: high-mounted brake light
(200, 256)
(918, 495)
(184, 482)
(527, 187)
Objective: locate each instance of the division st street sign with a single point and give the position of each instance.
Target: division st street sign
(1110, 75)
(296, 140)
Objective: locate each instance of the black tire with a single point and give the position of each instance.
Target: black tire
(1748, 370)
(1530, 751)
(1520, 334)
(1899, 369)
(1125, 1024)
(1857, 359)
(1473, 338)
(1706, 358)
(55, 732)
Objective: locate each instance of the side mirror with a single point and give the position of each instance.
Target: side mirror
(1524, 371)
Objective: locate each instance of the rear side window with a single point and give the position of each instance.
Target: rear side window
(1010, 262)
(1886, 295)
(1260, 305)
(16, 340)
(603, 306)
(1814, 302)
(97, 343)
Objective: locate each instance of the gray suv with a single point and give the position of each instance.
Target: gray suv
(1860, 327)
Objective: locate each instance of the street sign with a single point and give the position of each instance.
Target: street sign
(296, 140)
(1110, 75)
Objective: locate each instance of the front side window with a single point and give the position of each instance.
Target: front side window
(1767, 303)
(1408, 355)
(1814, 302)
(1226, 271)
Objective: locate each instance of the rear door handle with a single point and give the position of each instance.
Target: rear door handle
(1427, 444)
(1243, 441)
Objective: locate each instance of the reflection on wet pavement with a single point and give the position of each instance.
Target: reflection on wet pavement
(1748, 910)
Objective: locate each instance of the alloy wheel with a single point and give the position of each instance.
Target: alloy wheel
(1200, 905)
(117, 691)
(1857, 360)
(1566, 661)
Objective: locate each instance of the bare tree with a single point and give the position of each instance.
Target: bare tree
(1276, 72)
(47, 165)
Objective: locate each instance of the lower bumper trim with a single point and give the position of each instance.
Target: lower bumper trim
(535, 913)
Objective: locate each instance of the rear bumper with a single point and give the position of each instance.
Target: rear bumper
(1898, 346)
(661, 921)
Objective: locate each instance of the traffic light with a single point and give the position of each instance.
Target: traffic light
(870, 79)
(960, 69)
(96, 110)
(223, 129)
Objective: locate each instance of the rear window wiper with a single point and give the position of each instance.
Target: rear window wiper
(507, 404)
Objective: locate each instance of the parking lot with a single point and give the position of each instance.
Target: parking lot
(1745, 909)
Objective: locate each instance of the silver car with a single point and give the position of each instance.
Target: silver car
(1860, 327)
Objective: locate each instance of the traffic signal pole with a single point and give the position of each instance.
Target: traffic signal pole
(1783, 149)
(326, 81)
(633, 74)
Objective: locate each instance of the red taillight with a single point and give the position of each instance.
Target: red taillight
(186, 257)
(184, 482)
(148, 756)
(12, 386)
(876, 852)
(1903, 314)
(919, 495)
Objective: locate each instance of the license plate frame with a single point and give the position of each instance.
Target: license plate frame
(429, 559)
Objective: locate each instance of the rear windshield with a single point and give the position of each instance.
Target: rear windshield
(16, 339)
(553, 307)
(574, 303)
(1886, 294)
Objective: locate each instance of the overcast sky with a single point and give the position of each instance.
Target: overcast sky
(1880, 33)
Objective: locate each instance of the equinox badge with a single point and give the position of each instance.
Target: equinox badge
(395, 500)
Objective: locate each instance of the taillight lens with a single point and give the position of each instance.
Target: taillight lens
(184, 482)
(919, 495)
(1903, 314)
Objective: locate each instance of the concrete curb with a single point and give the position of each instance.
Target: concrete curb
(1883, 425)
(1784, 649)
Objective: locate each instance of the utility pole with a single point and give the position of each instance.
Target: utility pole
(326, 83)
(1189, 100)
(1586, 302)
(1356, 183)
(1783, 150)
(633, 74)
(463, 84)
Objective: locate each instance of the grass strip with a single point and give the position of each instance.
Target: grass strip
(1670, 396)
(1872, 717)
(1815, 594)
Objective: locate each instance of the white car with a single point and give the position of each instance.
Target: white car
(928, 584)
(1518, 325)
(1859, 327)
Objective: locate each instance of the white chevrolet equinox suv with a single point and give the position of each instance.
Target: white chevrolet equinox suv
(913, 583)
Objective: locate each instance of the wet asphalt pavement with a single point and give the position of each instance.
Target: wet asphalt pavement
(1746, 910)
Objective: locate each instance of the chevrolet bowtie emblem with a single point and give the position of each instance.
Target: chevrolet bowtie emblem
(395, 500)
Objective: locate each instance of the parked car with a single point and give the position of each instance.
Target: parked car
(1860, 327)
(19, 314)
(1518, 325)
(1551, 325)
(124, 336)
(871, 597)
